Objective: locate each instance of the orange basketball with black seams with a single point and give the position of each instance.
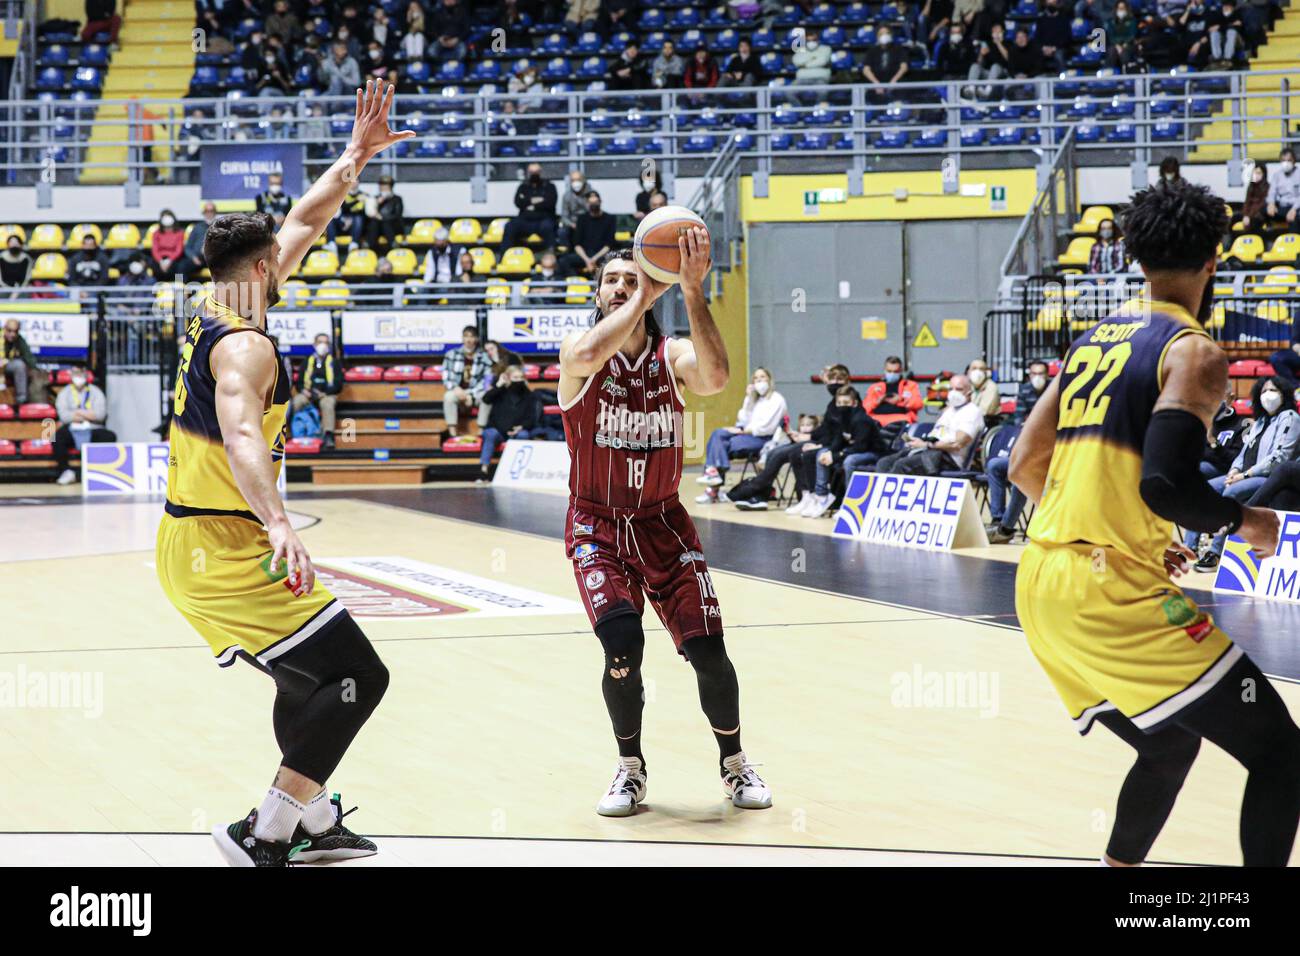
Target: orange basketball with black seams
(655, 247)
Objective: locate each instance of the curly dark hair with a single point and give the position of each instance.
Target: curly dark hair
(1174, 226)
(234, 239)
(1281, 384)
(625, 255)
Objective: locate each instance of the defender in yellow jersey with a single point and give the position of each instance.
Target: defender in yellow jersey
(1111, 455)
(227, 557)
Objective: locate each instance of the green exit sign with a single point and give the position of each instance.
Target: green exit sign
(813, 197)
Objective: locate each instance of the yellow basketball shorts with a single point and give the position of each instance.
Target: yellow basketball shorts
(1116, 634)
(215, 570)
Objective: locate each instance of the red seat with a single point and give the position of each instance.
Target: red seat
(37, 448)
(432, 374)
(1242, 407)
(303, 446)
(551, 410)
(551, 373)
(37, 410)
(64, 376)
(1054, 368)
(403, 373)
(7, 448)
(463, 443)
(1245, 368)
(532, 372)
(6, 411)
(363, 373)
(1265, 370)
(1008, 406)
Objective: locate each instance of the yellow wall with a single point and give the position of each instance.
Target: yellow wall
(925, 200)
(68, 10)
(730, 308)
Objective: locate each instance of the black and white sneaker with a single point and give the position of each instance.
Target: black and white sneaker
(335, 844)
(741, 782)
(627, 790)
(240, 848)
(751, 504)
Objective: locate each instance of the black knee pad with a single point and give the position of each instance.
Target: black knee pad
(707, 653)
(623, 639)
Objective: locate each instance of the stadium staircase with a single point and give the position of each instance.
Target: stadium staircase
(1262, 115)
(156, 61)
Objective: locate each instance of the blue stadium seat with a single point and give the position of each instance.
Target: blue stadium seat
(724, 41)
(450, 71)
(452, 123)
(1202, 106)
(1087, 133)
(892, 138)
(973, 136)
(636, 119)
(1067, 86)
(205, 81)
(588, 44)
(856, 14)
(624, 144)
(717, 17)
(782, 141)
(700, 143)
(50, 78)
(973, 114)
(418, 123)
(824, 115)
(1024, 10)
(743, 140)
(1008, 136)
(690, 41)
(54, 55)
(590, 145)
(464, 149)
(600, 120)
(555, 44)
(431, 149)
(788, 17)
(556, 69)
(1163, 105)
(1175, 82)
(1119, 108)
(834, 37)
(618, 43)
(708, 118)
(1080, 27)
(417, 71)
(822, 14)
(1082, 108)
(762, 40)
(1166, 131)
(592, 68)
(786, 115)
(1121, 133)
(87, 78)
(1086, 57)
(652, 19)
(889, 13)
(93, 54)
(931, 139)
(744, 119)
(340, 124)
(1006, 113)
(771, 63)
(864, 38)
(486, 71)
(685, 18)
(897, 113)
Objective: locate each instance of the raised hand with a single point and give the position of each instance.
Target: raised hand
(370, 132)
(693, 244)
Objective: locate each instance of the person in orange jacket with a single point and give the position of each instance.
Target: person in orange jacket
(897, 398)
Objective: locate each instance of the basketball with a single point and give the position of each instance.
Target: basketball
(654, 247)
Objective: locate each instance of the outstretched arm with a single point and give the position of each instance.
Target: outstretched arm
(701, 364)
(311, 214)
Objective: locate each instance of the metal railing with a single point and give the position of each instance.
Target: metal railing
(854, 125)
(1055, 209)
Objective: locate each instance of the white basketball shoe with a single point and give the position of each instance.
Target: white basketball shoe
(797, 508)
(741, 782)
(627, 790)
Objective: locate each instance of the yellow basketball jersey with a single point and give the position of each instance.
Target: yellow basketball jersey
(199, 479)
(1109, 382)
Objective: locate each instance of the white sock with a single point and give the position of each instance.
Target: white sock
(319, 815)
(277, 817)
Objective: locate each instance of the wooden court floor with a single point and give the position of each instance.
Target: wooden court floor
(889, 734)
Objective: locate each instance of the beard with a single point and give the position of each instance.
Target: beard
(1207, 302)
(272, 292)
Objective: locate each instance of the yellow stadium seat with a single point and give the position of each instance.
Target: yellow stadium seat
(1247, 248)
(123, 235)
(164, 295)
(80, 231)
(496, 232)
(464, 232)
(50, 266)
(578, 290)
(1217, 317)
(332, 294)
(1078, 252)
(46, 236)
(12, 229)
(1273, 310)
(295, 294)
(414, 288)
(623, 236)
(485, 260)
(1285, 248)
(359, 263)
(498, 293)
(146, 241)
(422, 232)
(320, 262)
(1280, 280)
(1091, 219)
(516, 261)
(403, 260)
(1049, 319)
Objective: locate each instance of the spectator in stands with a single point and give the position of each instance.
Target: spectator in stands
(546, 286)
(1286, 362)
(465, 271)
(1194, 26)
(582, 16)
(284, 23)
(812, 60)
(852, 434)
(1226, 30)
(168, 247)
(753, 493)
(984, 391)
(668, 68)
(972, 17)
(19, 366)
(1108, 254)
(81, 408)
(524, 84)
(514, 412)
(1053, 34)
(896, 398)
(629, 71)
(743, 68)
(464, 370)
(386, 219)
(1095, 11)
(274, 199)
(382, 32)
(992, 59)
(745, 495)
(135, 273)
(761, 414)
(502, 358)
(194, 261)
(1254, 208)
(272, 78)
(616, 16)
(658, 201)
(535, 199)
(1006, 512)
(651, 183)
(935, 18)
(1270, 439)
(1258, 16)
(955, 57)
(450, 24)
(885, 65)
(593, 236)
(350, 219)
(702, 73)
(573, 205)
(377, 64)
(1226, 438)
(339, 72)
(1024, 59)
(1284, 192)
(15, 266)
(89, 267)
(101, 17)
(1121, 37)
(1170, 171)
(442, 263)
(949, 445)
(319, 384)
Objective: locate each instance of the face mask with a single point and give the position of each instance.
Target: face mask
(376, 54)
(1287, 165)
(594, 208)
(647, 184)
(270, 61)
(15, 248)
(1039, 382)
(977, 376)
(1169, 177)
(577, 185)
(833, 387)
(78, 380)
(322, 349)
(1121, 14)
(1106, 233)
(136, 268)
(1271, 401)
(762, 387)
(955, 39)
(168, 221)
(534, 178)
(274, 190)
(957, 399)
(811, 44)
(885, 39)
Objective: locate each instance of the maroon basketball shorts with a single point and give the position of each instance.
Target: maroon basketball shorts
(624, 556)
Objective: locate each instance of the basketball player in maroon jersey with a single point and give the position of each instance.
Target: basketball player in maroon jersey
(628, 536)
